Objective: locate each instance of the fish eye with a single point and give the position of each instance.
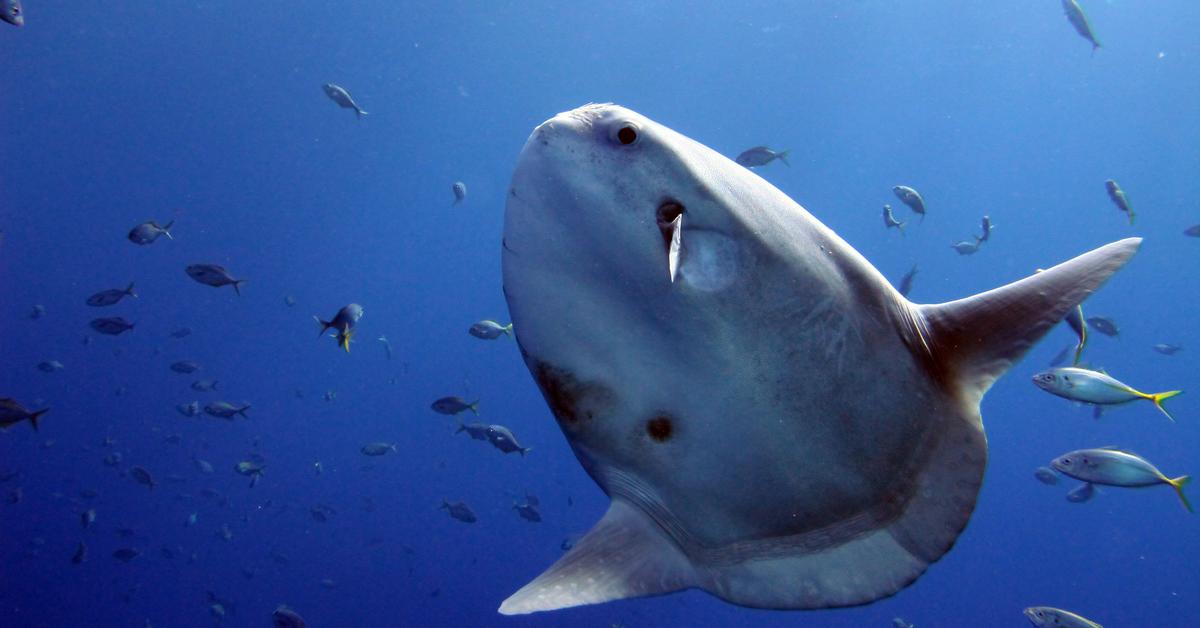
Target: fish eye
(668, 212)
(627, 134)
(1066, 461)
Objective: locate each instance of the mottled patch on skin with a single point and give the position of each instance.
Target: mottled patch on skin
(573, 402)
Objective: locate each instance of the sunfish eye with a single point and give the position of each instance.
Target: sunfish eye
(626, 134)
(668, 212)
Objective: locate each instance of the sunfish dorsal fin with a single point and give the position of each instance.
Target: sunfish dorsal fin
(973, 341)
(625, 555)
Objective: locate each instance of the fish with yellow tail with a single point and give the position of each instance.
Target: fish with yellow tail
(1113, 467)
(343, 324)
(1095, 387)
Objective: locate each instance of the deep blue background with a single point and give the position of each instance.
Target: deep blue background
(211, 114)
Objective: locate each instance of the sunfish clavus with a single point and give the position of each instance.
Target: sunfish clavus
(773, 422)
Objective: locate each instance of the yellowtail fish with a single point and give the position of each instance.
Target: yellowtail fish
(1113, 467)
(1078, 384)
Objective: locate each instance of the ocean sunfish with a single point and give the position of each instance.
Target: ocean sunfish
(773, 422)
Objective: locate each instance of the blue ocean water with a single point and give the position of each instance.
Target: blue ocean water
(211, 114)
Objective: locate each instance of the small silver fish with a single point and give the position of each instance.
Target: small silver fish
(460, 192)
(343, 324)
(189, 409)
(1057, 617)
(1192, 231)
(215, 276)
(185, 367)
(225, 410)
(906, 282)
(890, 221)
(460, 511)
(761, 156)
(50, 366)
(528, 511)
(910, 197)
(986, 223)
(342, 97)
(143, 476)
(1078, 19)
(191, 520)
(285, 617)
(1078, 384)
(489, 330)
(205, 385)
(148, 232)
(111, 297)
(251, 469)
(12, 412)
(87, 518)
(1046, 475)
(965, 247)
(203, 465)
(11, 12)
(126, 554)
(1104, 325)
(454, 405)
(111, 326)
(1118, 198)
(1167, 349)
(1082, 493)
(387, 346)
(81, 553)
(37, 312)
(378, 449)
(477, 431)
(1113, 467)
(502, 438)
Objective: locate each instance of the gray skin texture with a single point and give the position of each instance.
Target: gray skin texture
(777, 426)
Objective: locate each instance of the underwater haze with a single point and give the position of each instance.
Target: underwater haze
(210, 115)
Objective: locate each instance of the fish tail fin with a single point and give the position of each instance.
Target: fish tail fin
(507, 329)
(1178, 484)
(1158, 398)
(461, 428)
(474, 407)
(900, 226)
(783, 156)
(237, 286)
(34, 417)
(360, 113)
(967, 344)
(166, 229)
(242, 411)
(525, 450)
(324, 325)
(445, 505)
(129, 290)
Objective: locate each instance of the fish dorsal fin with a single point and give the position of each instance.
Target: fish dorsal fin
(625, 555)
(973, 341)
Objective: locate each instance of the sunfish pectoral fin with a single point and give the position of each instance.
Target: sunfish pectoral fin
(673, 248)
(625, 555)
(974, 340)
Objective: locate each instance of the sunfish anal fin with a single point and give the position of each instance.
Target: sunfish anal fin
(625, 555)
(973, 341)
